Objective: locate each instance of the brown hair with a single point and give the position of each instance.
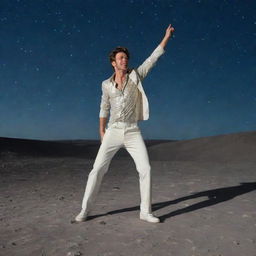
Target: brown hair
(118, 49)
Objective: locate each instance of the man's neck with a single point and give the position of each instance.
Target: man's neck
(120, 74)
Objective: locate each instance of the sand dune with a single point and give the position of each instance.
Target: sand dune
(58, 148)
(230, 147)
(237, 146)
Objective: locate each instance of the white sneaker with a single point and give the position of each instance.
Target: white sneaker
(149, 217)
(82, 216)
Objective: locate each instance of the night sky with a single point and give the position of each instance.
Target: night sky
(54, 56)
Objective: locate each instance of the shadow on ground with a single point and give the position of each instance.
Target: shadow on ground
(215, 196)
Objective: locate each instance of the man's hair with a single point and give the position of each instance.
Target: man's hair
(118, 49)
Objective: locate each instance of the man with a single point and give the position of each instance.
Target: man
(124, 96)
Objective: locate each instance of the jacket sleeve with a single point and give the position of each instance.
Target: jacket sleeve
(105, 104)
(146, 66)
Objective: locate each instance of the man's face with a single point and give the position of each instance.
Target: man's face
(121, 61)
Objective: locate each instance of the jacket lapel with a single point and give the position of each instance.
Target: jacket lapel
(144, 110)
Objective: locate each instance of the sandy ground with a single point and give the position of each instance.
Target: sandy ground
(206, 208)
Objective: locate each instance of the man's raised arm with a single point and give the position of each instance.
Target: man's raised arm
(146, 66)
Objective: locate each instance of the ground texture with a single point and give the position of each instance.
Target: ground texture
(207, 208)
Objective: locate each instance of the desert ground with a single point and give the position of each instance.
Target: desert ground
(203, 192)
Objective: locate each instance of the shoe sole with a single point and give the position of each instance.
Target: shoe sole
(80, 220)
(150, 221)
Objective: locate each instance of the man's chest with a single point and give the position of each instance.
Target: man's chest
(129, 89)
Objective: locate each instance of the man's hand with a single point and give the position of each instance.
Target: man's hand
(102, 128)
(169, 31)
(102, 133)
(167, 36)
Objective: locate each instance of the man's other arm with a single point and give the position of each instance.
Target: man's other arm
(104, 111)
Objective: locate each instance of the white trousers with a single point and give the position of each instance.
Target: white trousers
(117, 135)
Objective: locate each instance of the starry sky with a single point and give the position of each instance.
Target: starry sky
(54, 56)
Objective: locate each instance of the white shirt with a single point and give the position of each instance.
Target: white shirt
(123, 102)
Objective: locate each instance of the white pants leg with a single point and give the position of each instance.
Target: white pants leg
(134, 144)
(117, 136)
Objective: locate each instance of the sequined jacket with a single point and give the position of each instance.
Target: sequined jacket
(137, 76)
